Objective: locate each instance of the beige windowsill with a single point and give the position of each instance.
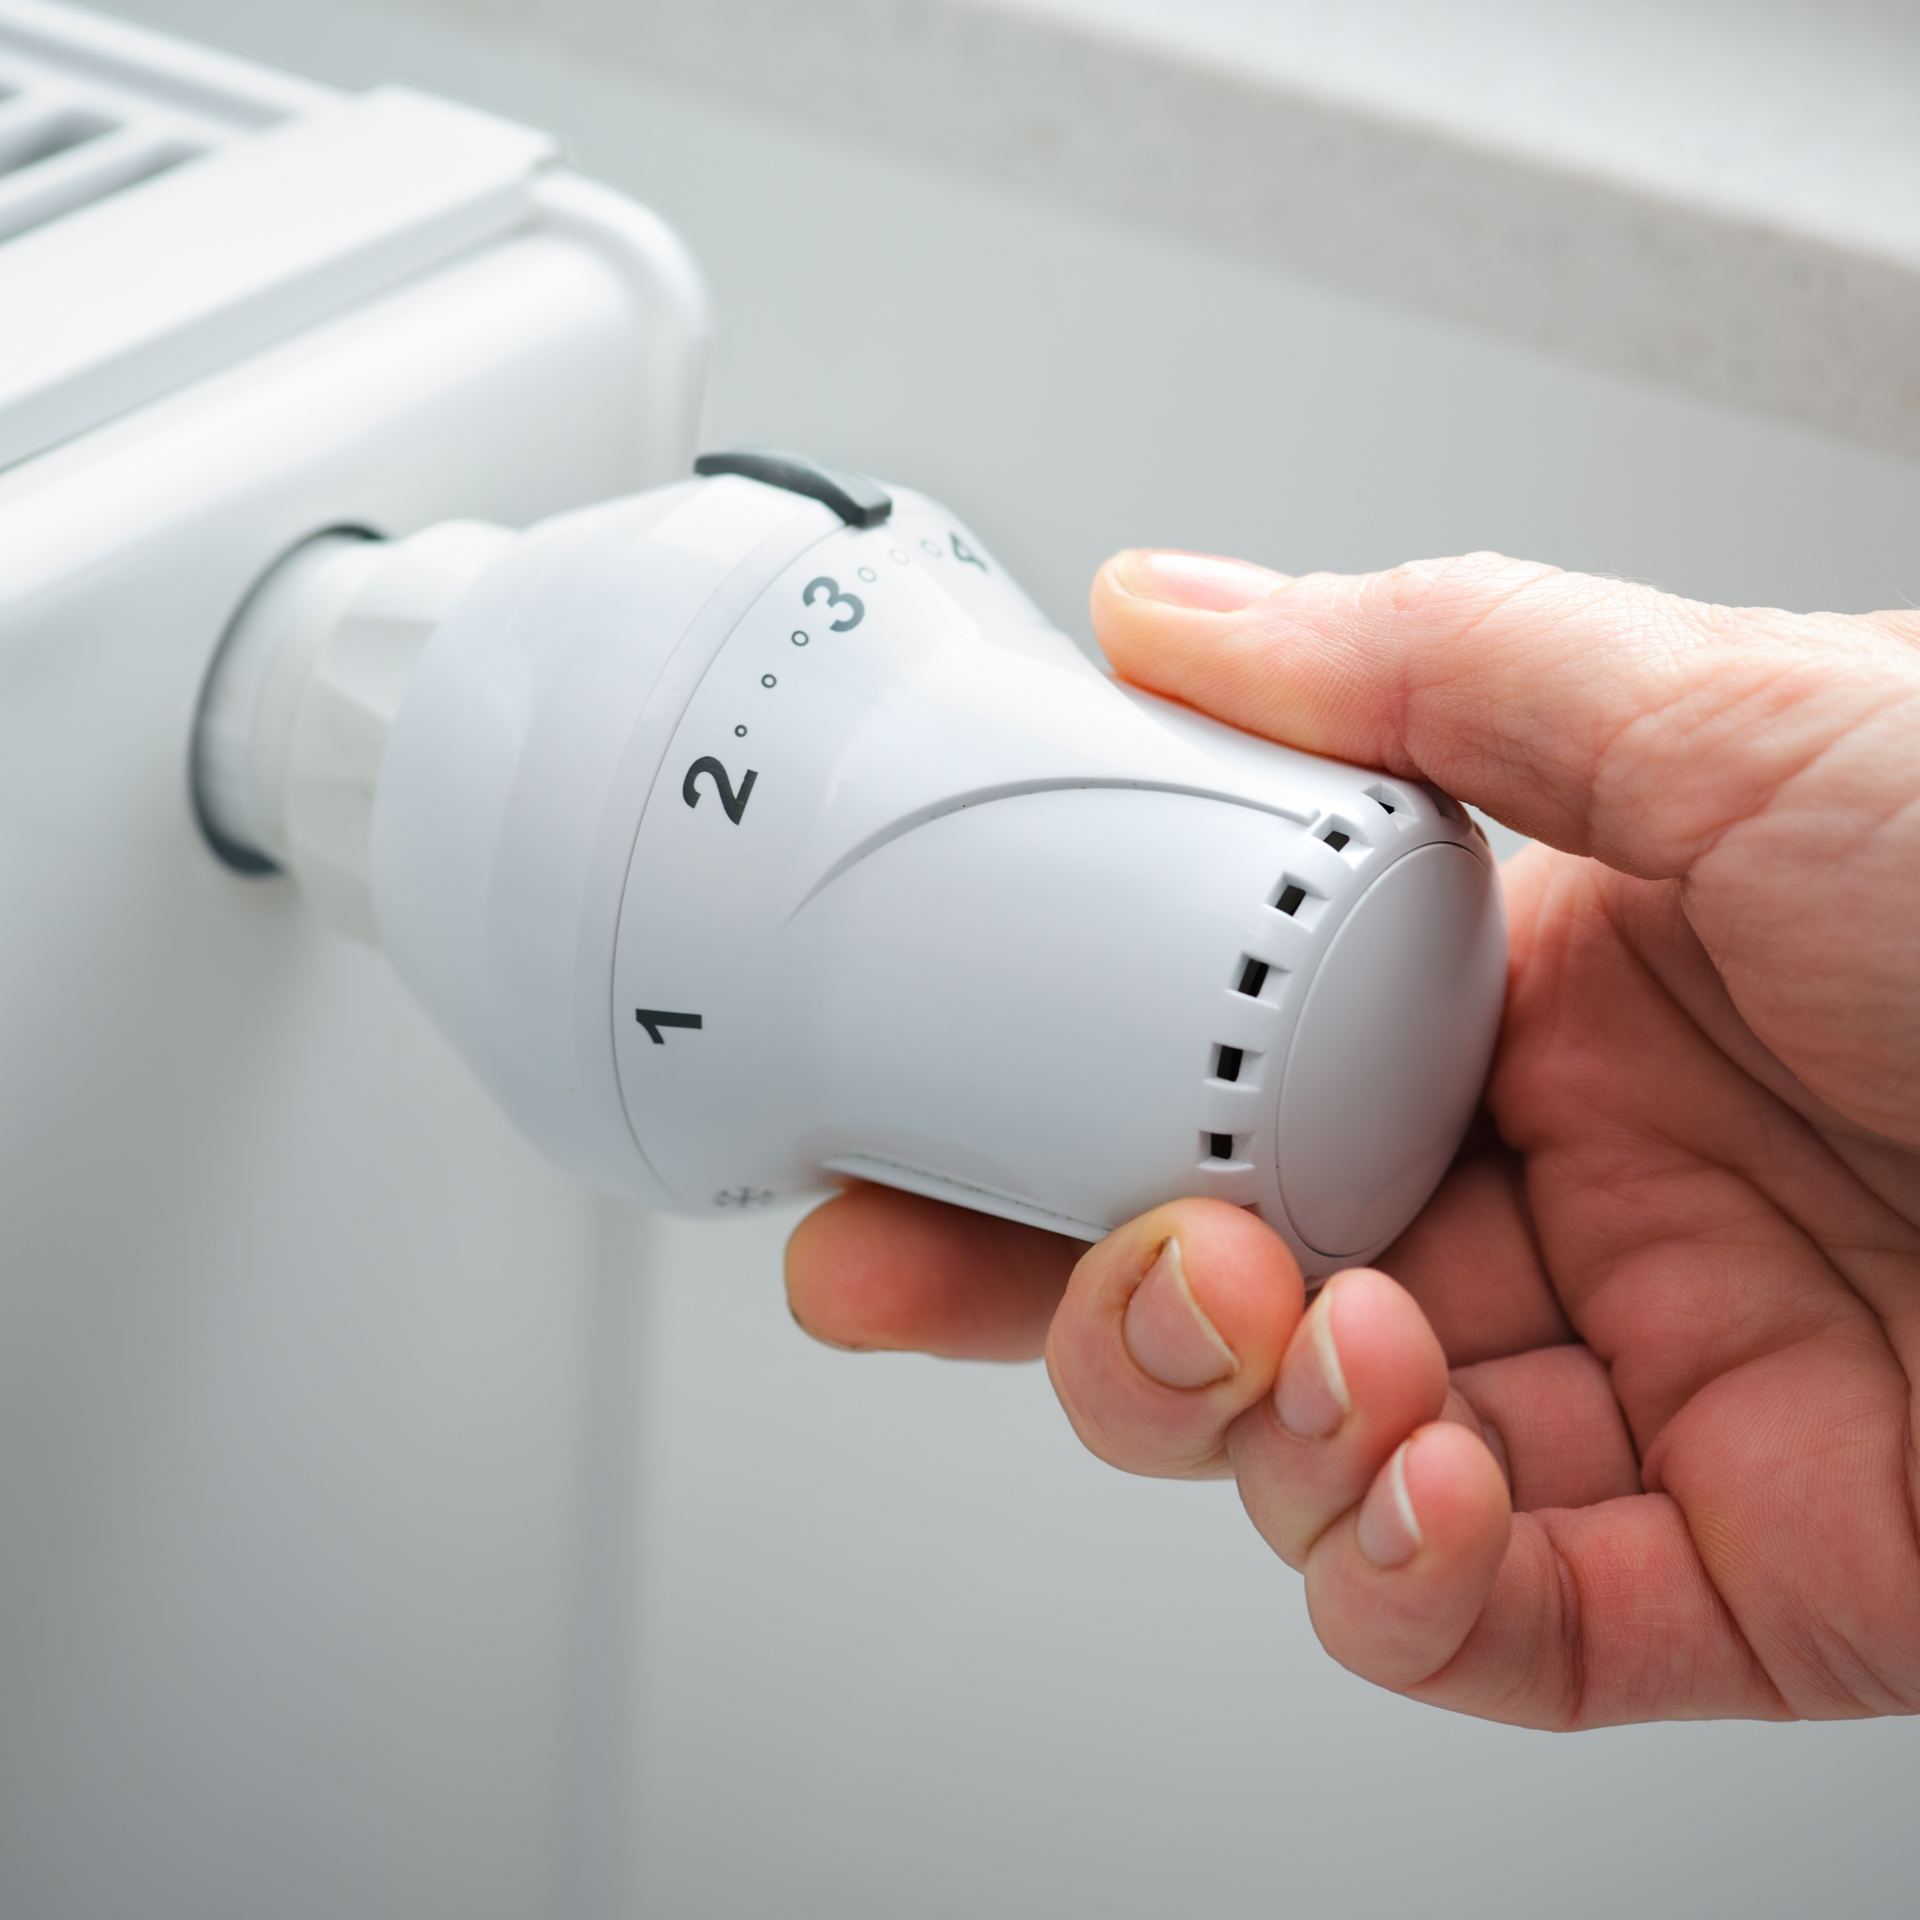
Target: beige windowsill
(1719, 193)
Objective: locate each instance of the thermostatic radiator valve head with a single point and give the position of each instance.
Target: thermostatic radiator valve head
(758, 830)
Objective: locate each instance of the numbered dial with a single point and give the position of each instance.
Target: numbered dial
(920, 895)
(751, 811)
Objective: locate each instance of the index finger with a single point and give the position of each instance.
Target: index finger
(1600, 716)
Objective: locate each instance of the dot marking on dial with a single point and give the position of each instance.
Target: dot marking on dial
(867, 573)
(767, 680)
(739, 733)
(799, 638)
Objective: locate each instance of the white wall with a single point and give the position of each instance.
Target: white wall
(901, 1649)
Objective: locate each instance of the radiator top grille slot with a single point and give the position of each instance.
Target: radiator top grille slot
(90, 108)
(26, 140)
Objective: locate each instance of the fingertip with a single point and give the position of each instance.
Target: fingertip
(1167, 578)
(1166, 1331)
(1387, 1529)
(1442, 1482)
(823, 1273)
(1396, 1588)
(1171, 1327)
(1236, 1273)
(877, 1269)
(1361, 1372)
(1454, 1486)
(1364, 1344)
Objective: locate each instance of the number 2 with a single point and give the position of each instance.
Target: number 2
(735, 803)
(835, 598)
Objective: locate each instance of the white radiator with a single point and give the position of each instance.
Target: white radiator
(302, 1560)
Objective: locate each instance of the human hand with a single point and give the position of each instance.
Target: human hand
(1629, 1432)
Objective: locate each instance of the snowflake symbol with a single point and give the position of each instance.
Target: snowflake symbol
(743, 1197)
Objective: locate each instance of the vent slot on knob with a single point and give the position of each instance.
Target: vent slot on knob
(1338, 834)
(1220, 1146)
(1228, 1066)
(1253, 976)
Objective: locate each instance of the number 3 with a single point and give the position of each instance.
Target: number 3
(835, 598)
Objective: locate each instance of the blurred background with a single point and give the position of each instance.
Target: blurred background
(758, 1628)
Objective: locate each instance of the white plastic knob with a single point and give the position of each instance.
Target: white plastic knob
(737, 846)
(293, 728)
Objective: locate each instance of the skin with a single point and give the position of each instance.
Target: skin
(1622, 1428)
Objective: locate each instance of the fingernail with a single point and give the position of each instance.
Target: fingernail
(1312, 1397)
(1388, 1532)
(1170, 1339)
(1196, 580)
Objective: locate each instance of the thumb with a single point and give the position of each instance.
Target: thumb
(1602, 717)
